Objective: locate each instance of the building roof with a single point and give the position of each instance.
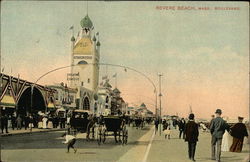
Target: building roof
(116, 90)
(98, 43)
(143, 105)
(86, 22)
(107, 85)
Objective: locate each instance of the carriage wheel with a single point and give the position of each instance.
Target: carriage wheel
(104, 136)
(120, 136)
(124, 136)
(99, 136)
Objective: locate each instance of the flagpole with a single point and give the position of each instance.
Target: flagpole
(115, 80)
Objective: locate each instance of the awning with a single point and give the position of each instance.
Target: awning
(8, 101)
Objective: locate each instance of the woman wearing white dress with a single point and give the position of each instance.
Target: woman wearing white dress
(226, 139)
(45, 122)
(50, 124)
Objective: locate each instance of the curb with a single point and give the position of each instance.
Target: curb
(23, 133)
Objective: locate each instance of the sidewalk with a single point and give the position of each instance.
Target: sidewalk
(23, 131)
(175, 149)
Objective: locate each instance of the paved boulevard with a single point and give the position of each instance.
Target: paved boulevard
(143, 145)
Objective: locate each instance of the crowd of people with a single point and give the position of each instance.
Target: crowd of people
(18, 122)
(224, 136)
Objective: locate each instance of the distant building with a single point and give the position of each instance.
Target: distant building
(65, 96)
(104, 99)
(131, 111)
(144, 112)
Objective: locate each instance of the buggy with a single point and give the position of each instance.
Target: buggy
(112, 126)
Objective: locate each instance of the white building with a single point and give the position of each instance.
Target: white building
(65, 96)
(104, 99)
(84, 76)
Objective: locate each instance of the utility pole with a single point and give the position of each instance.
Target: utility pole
(160, 75)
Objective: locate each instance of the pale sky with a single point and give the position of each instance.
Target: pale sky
(202, 54)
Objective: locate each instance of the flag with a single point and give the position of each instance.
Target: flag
(105, 77)
(72, 27)
(115, 75)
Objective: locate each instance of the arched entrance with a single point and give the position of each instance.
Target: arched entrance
(24, 104)
(86, 105)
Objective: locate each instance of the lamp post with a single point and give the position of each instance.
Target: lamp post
(160, 95)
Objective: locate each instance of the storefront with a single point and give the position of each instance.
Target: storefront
(7, 105)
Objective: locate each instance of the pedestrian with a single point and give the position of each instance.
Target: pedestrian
(44, 120)
(9, 121)
(226, 139)
(212, 118)
(191, 132)
(181, 126)
(40, 122)
(167, 130)
(217, 129)
(13, 122)
(164, 124)
(50, 122)
(31, 122)
(4, 123)
(238, 131)
(26, 122)
(19, 122)
(70, 140)
(156, 125)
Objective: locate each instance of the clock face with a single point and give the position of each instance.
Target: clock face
(84, 47)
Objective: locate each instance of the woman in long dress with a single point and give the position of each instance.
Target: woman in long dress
(45, 122)
(50, 124)
(226, 139)
(40, 122)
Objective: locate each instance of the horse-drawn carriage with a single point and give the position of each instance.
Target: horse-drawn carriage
(112, 126)
(81, 122)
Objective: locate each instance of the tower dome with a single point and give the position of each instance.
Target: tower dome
(86, 22)
(73, 39)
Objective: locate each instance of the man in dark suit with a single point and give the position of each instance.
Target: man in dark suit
(181, 125)
(217, 129)
(191, 136)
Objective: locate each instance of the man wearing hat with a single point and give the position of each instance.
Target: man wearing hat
(191, 132)
(217, 129)
(238, 131)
